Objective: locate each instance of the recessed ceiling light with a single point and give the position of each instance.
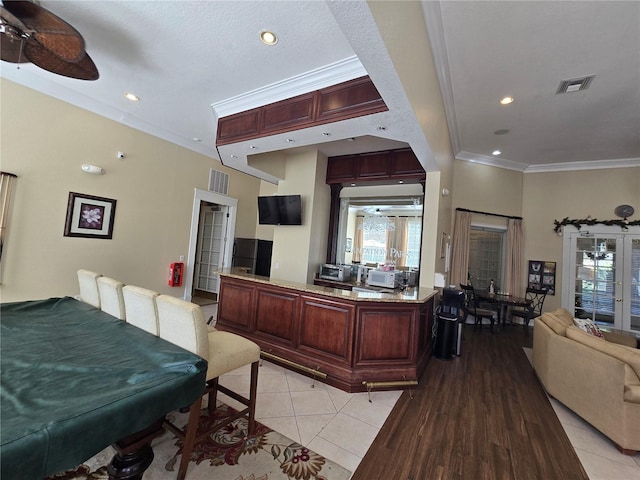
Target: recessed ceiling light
(290, 140)
(131, 96)
(351, 139)
(326, 134)
(496, 152)
(507, 100)
(400, 181)
(268, 38)
(382, 128)
(233, 156)
(253, 147)
(353, 184)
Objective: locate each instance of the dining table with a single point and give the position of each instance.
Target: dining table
(75, 380)
(502, 301)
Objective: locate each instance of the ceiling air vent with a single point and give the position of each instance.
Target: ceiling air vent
(218, 182)
(575, 84)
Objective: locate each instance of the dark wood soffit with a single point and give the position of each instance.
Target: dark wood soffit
(384, 167)
(350, 99)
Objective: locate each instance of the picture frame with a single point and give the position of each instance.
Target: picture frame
(542, 274)
(89, 216)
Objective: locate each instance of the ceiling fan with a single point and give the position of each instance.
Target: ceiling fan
(31, 33)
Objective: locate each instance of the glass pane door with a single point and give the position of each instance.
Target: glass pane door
(595, 279)
(601, 276)
(634, 284)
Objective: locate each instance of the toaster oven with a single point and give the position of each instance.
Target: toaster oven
(339, 273)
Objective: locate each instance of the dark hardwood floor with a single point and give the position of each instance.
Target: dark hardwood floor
(482, 415)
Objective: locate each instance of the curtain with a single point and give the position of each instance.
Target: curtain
(6, 181)
(515, 250)
(460, 249)
(358, 240)
(399, 242)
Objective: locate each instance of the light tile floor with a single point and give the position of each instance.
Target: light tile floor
(338, 425)
(341, 426)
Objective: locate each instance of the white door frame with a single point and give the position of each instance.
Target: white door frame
(211, 197)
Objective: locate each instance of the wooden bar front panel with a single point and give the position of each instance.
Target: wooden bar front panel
(386, 336)
(326, 329)
(237, 305)
(276, 315)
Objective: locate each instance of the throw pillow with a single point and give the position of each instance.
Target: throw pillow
(588, 326)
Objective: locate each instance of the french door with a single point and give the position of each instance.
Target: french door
(601, 275)
(210, 247)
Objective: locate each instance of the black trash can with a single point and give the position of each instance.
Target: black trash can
(446, 336)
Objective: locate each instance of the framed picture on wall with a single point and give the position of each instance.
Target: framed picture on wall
(89, 216)
(542, 274)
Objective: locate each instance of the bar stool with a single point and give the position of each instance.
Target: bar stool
(87, 281)
(183, 324)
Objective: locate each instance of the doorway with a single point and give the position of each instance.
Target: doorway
(214, 211)
(212, 232)
(601, 275)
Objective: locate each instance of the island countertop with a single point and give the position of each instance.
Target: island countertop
(374, 294)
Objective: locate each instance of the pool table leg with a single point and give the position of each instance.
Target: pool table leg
(134, 453)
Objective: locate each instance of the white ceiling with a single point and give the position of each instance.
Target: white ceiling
(192, 61)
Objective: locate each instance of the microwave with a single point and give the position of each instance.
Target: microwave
(388, 279)
(339, 273)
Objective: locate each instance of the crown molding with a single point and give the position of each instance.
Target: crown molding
(491, 161)
(316, 79)
(586, 165)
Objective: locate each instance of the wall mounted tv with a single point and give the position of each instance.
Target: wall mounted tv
(280, 210)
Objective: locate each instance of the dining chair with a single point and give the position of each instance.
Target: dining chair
(87, 281)
(183, 323)
(472, 308)
(140, 308)
(535, 300)
(111, 299)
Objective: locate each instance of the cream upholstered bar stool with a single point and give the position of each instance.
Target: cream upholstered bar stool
(87, 281)
(111, 299)
(140, 308)
(183, 324)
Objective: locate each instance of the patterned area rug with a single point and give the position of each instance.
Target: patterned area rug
(228, 454)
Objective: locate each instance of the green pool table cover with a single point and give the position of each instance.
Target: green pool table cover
(74, 380)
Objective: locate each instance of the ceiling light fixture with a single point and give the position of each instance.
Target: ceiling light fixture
(131, 96)
(502, 131)
(290, 140)
(196, 139)
(507, 100)
(94, 169)
(326, 134)
(268, 38)
(382, 128)
(496, 152)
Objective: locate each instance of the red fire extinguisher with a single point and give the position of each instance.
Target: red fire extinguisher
(175, 274)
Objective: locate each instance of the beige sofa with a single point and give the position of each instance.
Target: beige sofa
(599, 379)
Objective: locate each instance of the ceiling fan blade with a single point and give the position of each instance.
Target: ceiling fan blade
(48, 29)
(10, 49)
(84, 69)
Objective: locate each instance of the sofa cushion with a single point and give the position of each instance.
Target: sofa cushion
(588, 326)
(628, 355)
(563, 316)
(554, 324)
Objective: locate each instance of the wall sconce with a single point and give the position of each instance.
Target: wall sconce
(445, 192)
(94, 169)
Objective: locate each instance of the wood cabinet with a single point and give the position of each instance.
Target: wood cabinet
(349, 338)
(400, 164)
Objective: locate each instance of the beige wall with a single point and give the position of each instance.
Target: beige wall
(298, 250)
(44, 142)
(554, 196)
(541, 198)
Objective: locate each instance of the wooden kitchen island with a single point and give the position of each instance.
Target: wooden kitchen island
(351, 340)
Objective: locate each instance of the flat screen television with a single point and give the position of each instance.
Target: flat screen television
(280, 210)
